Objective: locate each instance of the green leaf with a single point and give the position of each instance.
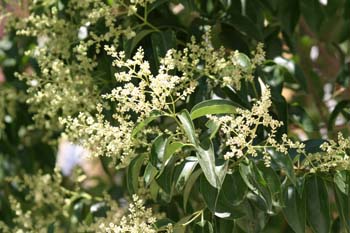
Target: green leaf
(343, 206)
(185, 172)
(51, 228)
(213, 128)
(245, 25)
(255, 181)
(313, 14)
(158, 150)
(165, 180)
(131, 45)
(234, 189)
(294, 211)
(214, 170)
(288, 13)
(154, 115)
(154, 189)
(317, 204)
(341, 179)
(343, 77)
(188, 126)
(171, 149)
(162, 41)
(273, 184)
(162, 224)
(226, 226)
(189, 185)
(254, 220)
(156, 4)
(217, 202)
(284, 162)
(337, 110)
(150, 173)
(302, 118)
(133, 172)
(204, 226)
(208, 107)
(180, 226)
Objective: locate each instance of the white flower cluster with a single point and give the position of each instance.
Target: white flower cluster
(151, 92)
(336, 155)
(66, 82)
(221, 67)
(139, 219)
(139, 92)
(100, 138)
(241, 130)
(45, 203)
(59, 91)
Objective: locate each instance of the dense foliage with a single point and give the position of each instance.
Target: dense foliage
(174, 116)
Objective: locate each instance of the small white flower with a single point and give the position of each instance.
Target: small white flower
(83, 33)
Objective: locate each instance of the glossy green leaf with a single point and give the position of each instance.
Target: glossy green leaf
(273, 185)
(313, 14)
(217, 203)
(258, 185)
(208, 107)
(150, 174)
(51, 228)
(337, 110)
(294, 211)
(162, 41)
(133, 172)
(302, 118)
(254, 220)
(131, 45)
(226, 226)
(213, 128)
(341, 180)
(343, 206)
(203, 226)
(156, 4)
(189, 185)
(165, 180)
(158, 149)
(284, 162)
(318, 213)
(154, 115)
(245, 25)
(288, 13)
(343, 77)
(234, 189)
(171, 149)
(185, 172)
(154, 189)
(214, 170)
(188, 126)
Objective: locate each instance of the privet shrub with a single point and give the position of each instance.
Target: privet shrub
(190, 114)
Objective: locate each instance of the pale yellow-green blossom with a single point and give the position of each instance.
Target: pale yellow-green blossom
(335, 155)
(139, 219)
(67, 55)
(240, 130)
